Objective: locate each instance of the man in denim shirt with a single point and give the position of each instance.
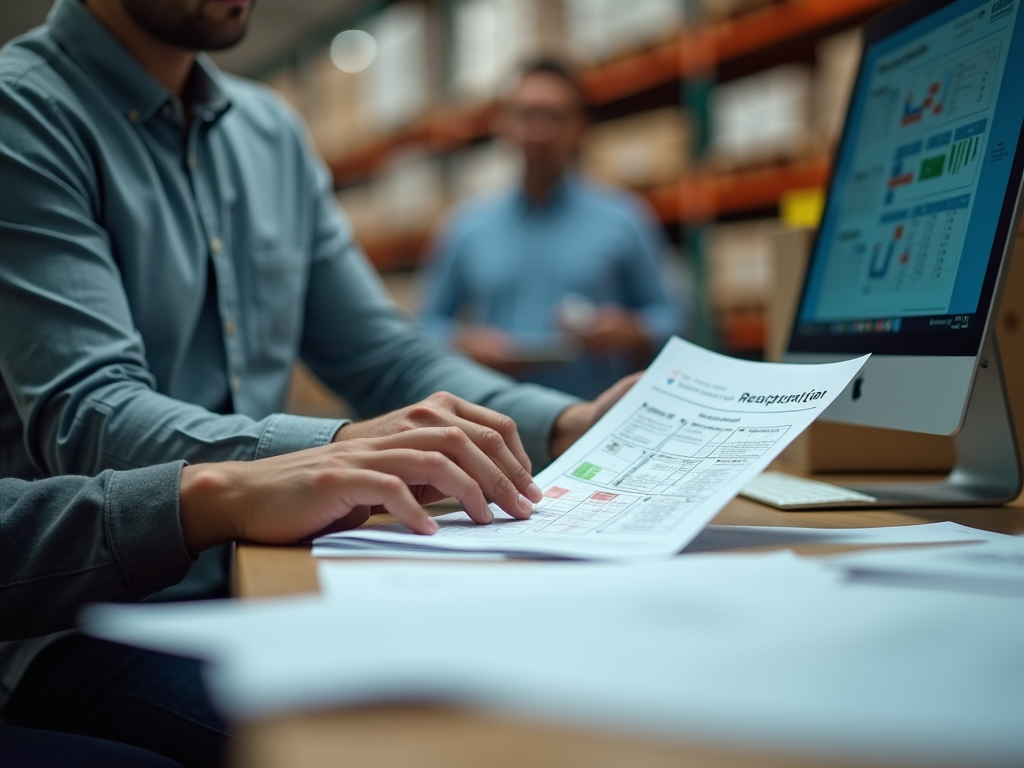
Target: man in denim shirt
(170, 247)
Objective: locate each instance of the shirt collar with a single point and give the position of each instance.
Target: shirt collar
(559, 196)
(138, 95)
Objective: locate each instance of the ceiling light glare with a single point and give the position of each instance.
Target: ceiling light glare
(353, 50)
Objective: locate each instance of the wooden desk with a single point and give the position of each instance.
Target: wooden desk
(440, 736)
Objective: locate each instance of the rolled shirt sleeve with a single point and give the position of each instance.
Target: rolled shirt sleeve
(67, 541)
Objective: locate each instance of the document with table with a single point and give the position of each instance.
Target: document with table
(647, 478)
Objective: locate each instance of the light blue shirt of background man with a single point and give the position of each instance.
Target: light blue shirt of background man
(503, 265)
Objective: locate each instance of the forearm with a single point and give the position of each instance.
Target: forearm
(67, 541)
(111, 421)
(390, 363)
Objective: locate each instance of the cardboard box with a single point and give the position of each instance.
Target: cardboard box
(361, 205)
(838, 57)
(329, 100)
(490, 38)
(761, 118)
(411, 192)
(599, 29)
(484, 168)
(286, 82)
(648, 149)
(738, 265)
(397, 87)
(719, 10)
(834, 448)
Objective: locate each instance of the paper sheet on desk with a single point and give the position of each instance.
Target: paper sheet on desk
(749, 650)
(994, 565)
(649, 475)
(717, 538)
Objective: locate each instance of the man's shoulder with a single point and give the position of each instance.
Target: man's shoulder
(612, 201)
(480, 210)
(26, 63)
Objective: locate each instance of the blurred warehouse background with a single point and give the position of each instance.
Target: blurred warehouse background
(721, 113)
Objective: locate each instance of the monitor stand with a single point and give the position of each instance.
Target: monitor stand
(987, 470)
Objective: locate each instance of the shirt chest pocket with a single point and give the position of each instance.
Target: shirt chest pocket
(279, 279)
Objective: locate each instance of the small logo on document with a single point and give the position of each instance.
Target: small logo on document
(858, 383)
(672, 377)
(1000, 8)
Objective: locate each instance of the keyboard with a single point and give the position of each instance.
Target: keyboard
(788, 492)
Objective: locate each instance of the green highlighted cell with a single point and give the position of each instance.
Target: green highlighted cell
(932, 168)
(586, 471)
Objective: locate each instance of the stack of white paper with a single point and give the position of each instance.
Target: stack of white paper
(765, 651)
(650, 474)
(993, 565)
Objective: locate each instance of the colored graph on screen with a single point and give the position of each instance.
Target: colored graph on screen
(936, 163)
(922, 248)
(932, 103)
(951, 88)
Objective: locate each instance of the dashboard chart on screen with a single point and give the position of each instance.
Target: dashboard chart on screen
(919, 152)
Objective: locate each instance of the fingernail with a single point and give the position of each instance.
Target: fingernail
(524, 504)
(534, 492)
(432, 526)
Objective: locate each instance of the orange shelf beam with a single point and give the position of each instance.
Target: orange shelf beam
(694, 199)
(704, 196)
(687, 54)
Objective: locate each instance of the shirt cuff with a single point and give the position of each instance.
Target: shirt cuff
(285, 433)
(143, 526)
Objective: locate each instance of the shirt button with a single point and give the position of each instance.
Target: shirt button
(133, 115)
(230, 328)
(216, 246)
(236, 384)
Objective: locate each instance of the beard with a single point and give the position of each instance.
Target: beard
(169, 21)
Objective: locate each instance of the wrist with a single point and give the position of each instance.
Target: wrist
(208, 506)
(570, 424)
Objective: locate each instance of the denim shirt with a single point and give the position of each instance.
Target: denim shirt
(507, 262)
(115, 349)
(158, 278)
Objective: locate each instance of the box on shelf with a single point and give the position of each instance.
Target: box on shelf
(598, 29)
(720, 10)
(396, 88)
(286, 82)
(411, 192)
(648, 149)
(492, 37)
(484, 168)
(838, 57)
(763, 117)
(362, 206)
(738, 265)
(329, 100)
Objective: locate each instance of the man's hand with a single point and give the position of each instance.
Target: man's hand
(285, 499)
(488, 346)
(615, 330)
(577, 419)
(484, 443)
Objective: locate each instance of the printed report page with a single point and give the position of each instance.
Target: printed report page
(650, 475)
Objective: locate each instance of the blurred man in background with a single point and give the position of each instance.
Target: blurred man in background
(556, 281)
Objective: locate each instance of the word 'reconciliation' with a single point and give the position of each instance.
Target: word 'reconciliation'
(803, 397)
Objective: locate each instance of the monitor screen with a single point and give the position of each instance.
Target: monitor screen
(918, 212)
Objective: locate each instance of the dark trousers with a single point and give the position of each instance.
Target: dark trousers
(80, 685)
(28, 748)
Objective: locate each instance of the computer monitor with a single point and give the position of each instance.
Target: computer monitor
(916, 236)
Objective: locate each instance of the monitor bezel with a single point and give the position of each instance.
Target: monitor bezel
(964, 343)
